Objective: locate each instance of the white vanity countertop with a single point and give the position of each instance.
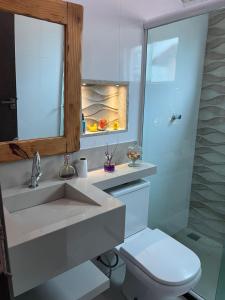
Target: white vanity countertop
(17, 224)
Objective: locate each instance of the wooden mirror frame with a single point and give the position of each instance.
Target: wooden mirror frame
(71, 16)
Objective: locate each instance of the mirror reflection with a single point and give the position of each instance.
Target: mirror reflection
(31, 78)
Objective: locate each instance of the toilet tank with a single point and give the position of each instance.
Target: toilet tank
(135, 195)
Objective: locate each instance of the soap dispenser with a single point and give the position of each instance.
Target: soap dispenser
(67, 171)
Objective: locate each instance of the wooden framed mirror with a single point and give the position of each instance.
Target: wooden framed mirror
(48, 89)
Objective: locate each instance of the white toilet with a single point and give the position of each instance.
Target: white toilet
(157, 266)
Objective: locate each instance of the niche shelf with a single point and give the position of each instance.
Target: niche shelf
(104, 107)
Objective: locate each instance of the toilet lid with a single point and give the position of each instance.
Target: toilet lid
(161, 257)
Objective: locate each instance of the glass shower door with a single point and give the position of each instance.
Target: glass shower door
(184, 134)
(173, 86)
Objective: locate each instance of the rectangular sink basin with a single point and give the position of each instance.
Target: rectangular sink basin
(55, 194)
(43, 208)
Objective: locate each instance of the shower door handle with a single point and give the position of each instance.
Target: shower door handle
(175, 117)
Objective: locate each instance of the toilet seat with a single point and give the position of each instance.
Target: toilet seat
(161, 257)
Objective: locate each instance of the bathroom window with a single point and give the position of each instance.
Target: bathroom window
(104, 107)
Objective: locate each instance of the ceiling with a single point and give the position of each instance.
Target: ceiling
(145, 10)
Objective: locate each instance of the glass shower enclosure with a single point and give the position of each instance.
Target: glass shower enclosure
(184, 135)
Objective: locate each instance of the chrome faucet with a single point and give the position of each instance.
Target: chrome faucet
(36, 171)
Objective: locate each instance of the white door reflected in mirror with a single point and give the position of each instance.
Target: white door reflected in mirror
(35, 74)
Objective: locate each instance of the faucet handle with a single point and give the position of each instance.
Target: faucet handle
(38, 166)
(36, 170)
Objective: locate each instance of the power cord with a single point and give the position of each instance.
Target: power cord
(108, 264)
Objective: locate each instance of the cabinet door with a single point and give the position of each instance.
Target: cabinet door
(6, 291)
(101, 40)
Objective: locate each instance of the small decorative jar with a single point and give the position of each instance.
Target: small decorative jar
(109, 167)
(67, 171)
(134, 153)
(102, 124)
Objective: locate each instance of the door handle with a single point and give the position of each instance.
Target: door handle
(11, 102)
(8, 101)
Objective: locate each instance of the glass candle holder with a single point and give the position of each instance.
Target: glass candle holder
(134, 153)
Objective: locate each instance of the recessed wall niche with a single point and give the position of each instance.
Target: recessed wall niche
(104, 107)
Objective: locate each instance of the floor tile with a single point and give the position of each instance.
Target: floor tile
(210, 253)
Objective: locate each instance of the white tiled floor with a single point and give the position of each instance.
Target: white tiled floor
(210, 253)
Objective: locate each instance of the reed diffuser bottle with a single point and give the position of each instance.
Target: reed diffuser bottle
(109, 166)
(67, 171)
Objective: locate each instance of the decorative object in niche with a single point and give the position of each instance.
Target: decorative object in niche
(83, 125)
(104, 106)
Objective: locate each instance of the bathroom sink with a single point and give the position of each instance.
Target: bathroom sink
(57, 226)
(61, 224)
(60, 192)
(47, 206)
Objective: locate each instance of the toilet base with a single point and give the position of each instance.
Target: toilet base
(133, 289)
(139, 286)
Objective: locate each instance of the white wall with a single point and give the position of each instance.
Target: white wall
(112, 47)
(39, 67)
(171, 146)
